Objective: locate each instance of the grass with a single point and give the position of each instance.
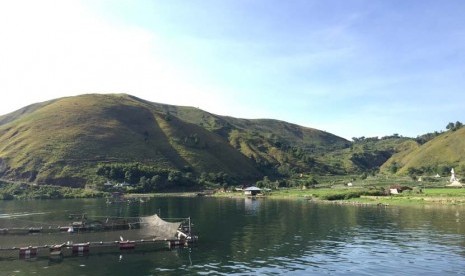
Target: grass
(69, 136)
(9, 191)
(448, 192)
(371, 191)
(448, 148)
(66, 138)
(362, 196)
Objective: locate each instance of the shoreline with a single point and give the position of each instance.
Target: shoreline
(364, 200)
(344, 196)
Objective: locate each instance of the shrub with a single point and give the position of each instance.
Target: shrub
(6, 196)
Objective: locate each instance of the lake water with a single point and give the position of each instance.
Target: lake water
(262, 236)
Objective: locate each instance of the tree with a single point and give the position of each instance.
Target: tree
(155, 183)
(310, 182)
(454, 127)
(116, 174)
(394, 168)
(143, 181)
(265, 183)
(450, 126)
(128, 176)
(174, 176)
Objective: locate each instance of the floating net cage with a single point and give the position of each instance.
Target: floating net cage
(160, 228)
(96, 233)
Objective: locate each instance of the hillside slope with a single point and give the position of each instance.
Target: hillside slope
(64, 141)
(87, 139)
(277, 147)
(438, 155)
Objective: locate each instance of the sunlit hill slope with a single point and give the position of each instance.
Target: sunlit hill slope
(436, 156)
(64, 140)
(89, 139)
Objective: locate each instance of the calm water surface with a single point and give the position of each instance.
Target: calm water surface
(262, 236)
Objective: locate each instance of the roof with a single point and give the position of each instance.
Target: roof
(253, 188)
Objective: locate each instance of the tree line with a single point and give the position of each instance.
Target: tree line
(147, 178)
(454, 126)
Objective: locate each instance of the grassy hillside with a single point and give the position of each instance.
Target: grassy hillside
(87, 139)
(365, 155)
(62, 141)
(276, 147)
(22, 112)
(438, 155)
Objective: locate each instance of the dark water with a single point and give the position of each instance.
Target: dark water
(263, 236)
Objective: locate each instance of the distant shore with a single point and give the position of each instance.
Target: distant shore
(371, 193)
(430, 196)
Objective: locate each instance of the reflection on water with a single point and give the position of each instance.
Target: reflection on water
(251, 205)
(262, 236)
(13, 215)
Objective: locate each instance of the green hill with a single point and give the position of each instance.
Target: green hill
(437, 156)
(89, 139)
(276, 147)
(65, 141)
(62, 141)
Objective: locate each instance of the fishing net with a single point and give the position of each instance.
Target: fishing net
(159, 227)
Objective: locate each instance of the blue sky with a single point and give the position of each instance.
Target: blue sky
(350, 67)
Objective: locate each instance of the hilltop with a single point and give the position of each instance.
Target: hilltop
(89, 139)
(64, 141)
(436, 156)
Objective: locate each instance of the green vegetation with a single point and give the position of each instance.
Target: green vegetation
(88, 140)
(437, 156)
(372, 190)
(453, 127)
(9, 191)
(147, 179)
(329, 194)
(62, 142)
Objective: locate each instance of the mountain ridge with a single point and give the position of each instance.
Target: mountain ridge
(52, 141)
(77, 141)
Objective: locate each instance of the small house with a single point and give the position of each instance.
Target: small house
(252, 191)
(124, 184)
(397, 189)
(108, 184)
